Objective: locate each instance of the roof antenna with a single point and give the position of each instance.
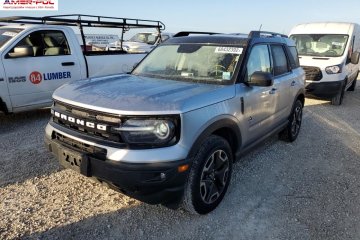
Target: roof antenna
(260, 27)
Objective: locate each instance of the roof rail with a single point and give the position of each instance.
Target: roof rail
(186, 33)
(86, 21)
(258, 34)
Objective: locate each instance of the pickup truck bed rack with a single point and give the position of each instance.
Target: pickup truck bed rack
(81, 21)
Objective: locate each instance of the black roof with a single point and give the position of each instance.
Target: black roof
(234, 39)
(210, 39)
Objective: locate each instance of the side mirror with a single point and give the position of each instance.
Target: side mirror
(261, 79)
(22, 51)
(355, 57)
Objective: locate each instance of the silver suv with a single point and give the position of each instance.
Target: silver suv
(169, 132)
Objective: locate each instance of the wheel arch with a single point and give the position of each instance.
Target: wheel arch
(225, 128)
(3, 107)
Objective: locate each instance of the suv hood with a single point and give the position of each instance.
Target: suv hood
(135, 95)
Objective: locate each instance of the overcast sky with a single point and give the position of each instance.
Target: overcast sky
(217, 16)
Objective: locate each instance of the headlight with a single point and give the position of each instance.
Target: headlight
(333, 69)
(148, 131)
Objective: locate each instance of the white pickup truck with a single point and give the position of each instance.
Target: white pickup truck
(40, 54)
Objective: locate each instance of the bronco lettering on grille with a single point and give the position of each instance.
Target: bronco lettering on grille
(79, 122)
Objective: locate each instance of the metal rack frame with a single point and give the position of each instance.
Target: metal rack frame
(81, 21)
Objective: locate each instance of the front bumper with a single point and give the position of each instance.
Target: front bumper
(153, 183)
(324, 89)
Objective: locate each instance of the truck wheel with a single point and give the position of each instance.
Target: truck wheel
(209, 176)
(292, 130)
(337, 100)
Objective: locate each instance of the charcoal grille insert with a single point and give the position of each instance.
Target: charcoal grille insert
(91, 116)
(312, 73)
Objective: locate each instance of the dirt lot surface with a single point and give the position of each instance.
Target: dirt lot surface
(309, 189)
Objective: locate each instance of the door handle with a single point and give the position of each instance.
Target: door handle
(273, 91)
(293, 83)
(68, 64)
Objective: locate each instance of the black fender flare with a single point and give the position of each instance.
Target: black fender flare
(219, 124)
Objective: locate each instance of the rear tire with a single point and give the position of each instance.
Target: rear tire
(291, 132)
(209, 176)
(338, 99)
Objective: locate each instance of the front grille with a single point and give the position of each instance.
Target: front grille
(312, 73)
(71, 143)
(85, 116)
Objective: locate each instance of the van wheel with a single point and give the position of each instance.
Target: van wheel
(353, 85)
(209, 176)
(291, 132)
(337, 100)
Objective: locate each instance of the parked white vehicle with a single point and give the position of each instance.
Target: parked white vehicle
(142, 42)
(329, 54)
(39, 56)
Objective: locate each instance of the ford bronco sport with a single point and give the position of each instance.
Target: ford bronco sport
(169, 132)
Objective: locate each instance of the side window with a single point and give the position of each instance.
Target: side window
(294, 58)
(280, 60)
(55, 43)
(42, 43)
(351, 50)
(259, 60)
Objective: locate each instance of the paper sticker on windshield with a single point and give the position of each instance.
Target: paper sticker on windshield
(226, 75)
(336, 44)
(231, 50)
(9, 34)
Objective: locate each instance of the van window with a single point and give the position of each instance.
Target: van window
(294, 58)
(280, 60)
(259, 60)
(321, 45)
(46, 43)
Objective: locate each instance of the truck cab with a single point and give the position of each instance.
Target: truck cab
(35, 61)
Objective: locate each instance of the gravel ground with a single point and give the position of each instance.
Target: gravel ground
(309, 189)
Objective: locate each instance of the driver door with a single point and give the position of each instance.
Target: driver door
(259, 102)
(34, 75)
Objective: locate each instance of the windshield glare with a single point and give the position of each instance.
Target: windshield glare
(148, 38)
(191, 62)
(7, 33)
(322, 45)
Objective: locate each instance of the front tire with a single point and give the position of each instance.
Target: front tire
(209, 176)
(338, 99)
(291, 132)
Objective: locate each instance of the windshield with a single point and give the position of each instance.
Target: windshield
(191, 62)
(7, 33)
(148, 38)
(322, 45)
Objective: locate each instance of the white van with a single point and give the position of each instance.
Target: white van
(329, 54)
